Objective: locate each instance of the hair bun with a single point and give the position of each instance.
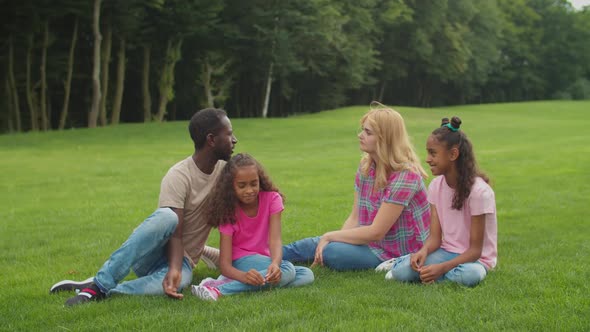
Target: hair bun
(456, 122)
(444, 121)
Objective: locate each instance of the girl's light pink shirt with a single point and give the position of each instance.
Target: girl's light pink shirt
(456, 224)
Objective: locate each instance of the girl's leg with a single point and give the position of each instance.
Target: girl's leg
(343, 256)
(402, 270)
(303, 276)
(260, 263)
(142, 251)
(467, 274)
(151, 282)
(301, 251)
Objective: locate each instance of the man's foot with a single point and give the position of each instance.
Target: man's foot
(70, 285)
(210, 257)
(205, 293)
(88, 294)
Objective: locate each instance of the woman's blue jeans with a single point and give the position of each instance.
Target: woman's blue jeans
(291, 276)
(336, 255)
(144, 252)
(467, 274)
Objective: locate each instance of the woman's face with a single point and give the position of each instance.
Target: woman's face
(367, 139)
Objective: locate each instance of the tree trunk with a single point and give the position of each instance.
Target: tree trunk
(29, 89)
(207, 72)
(9, 105)
(68, 83)
(96, 95)
(268, 90)
(106, 60)
(147, 98)
(15, 110)
(43, 101)
(121, 60)
(381, 91)
(173, 50)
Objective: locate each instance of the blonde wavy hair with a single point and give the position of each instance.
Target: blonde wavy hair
(395, 152)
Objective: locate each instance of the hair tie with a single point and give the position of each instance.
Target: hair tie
(450, 126)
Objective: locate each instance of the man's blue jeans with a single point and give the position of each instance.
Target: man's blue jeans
(336, 255)
(291, 276)
(467, 274)
(145, 253)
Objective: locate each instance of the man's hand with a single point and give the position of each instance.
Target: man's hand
(171, 283)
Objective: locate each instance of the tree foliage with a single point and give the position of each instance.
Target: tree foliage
(163, 59)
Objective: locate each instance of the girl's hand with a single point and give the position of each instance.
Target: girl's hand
(430, 273)
(273, 274)
(319, 259)
(417, 260)
(254, 278)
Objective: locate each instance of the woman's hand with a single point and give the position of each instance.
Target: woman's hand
(253, 278)
(319, 258)
(273, 274)
(417, 260)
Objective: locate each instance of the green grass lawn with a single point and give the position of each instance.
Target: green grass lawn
(68, 199)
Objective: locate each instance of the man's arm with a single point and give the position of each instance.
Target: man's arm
(175, 254)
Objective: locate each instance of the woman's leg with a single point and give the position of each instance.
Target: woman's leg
(343, 257)
(301, 251)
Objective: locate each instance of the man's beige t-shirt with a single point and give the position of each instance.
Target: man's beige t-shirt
(186, 187)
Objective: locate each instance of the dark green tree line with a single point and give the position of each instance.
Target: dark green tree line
(69, 63)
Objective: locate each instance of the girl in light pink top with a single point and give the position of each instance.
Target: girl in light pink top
(246, 207)
(462, 245)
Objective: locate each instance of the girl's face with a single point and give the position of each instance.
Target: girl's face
(439, 157)
(247, 185)
(367, 139)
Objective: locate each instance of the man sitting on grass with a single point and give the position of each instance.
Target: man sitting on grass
(164, 249)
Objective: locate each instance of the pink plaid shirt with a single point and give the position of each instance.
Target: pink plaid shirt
(412, 227)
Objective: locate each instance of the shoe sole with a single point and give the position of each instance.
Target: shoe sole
(70, 285)
(202, 293)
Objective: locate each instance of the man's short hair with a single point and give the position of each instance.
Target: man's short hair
(204, 122)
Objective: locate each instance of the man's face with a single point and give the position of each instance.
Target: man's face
(225, 140)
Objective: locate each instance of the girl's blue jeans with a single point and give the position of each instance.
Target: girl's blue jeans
(336, 255)
(467, 274)
(144, 252)
(291, 276)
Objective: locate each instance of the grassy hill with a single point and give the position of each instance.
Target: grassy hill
(68, 199)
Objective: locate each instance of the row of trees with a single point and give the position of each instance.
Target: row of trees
(69, 63)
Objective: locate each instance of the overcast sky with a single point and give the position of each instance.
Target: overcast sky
(578, 4)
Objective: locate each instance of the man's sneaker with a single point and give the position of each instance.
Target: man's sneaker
(70, 285)
(91, 293)
(205, 293)
(385, 266)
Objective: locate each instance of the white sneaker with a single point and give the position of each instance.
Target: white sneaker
(389, 275)
(385, 266)
(205, 293)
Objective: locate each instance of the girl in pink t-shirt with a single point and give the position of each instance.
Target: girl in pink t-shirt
(246, 206)
(462, 245)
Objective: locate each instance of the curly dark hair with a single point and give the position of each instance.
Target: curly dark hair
(222, 200)
(467, 168)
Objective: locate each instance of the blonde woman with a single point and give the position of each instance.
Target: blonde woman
(390, 216)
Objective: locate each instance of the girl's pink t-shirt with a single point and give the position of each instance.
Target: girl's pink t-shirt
(250, 235)
(456, 224)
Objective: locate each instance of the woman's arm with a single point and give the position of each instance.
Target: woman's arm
(385, 219)
(432, 272)
(276, 249)
(353, 218)
(251, 277)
